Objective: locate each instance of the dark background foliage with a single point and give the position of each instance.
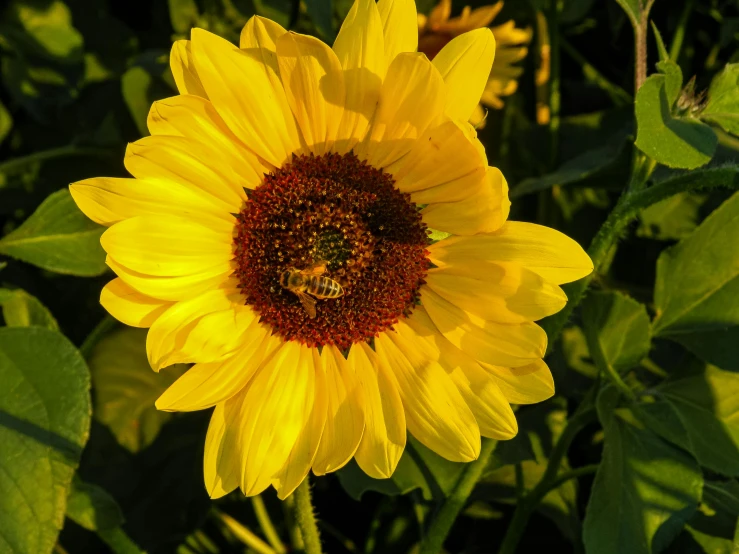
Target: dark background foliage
(78, 77)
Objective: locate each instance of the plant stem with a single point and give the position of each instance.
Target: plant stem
(618, 95)
(288, 510)
(306, 518)
(244, 534)
(265, 523)
(442, 522)
(548, 482)
(641, 31)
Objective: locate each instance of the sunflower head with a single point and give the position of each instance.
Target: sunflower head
(274, 234)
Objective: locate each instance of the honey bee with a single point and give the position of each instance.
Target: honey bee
(308, 284)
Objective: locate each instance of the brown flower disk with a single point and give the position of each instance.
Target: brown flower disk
(337, 209)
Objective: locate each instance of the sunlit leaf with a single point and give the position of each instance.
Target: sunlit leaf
(723, 99)
(44, 424)
(672, 218)
(21, 309)
(617, 330)
(645, 489)
(697, 289)
(126, 387)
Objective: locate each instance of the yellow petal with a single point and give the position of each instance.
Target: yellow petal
(411, 99)
(465, 64)
(486, 341)
(304, 452)
(207, 384)
(399, 27)
(482, 211)
(502, 292)
(551, 254)
(360, 49)
(190, 163)
(273, 414)
(108, 200)
(175, 288)
(183, 69)
(167, 245)
(529, 384)
(479, 389)
(315, 89)
(261, 34)
(207, 328)
(130, 306)
(345, 413)
(221, 472)
(384, 435)
(251, 103)
(435, 412)
(196, 118)
(444, 154)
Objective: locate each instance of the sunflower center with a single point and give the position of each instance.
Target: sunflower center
(337, 211)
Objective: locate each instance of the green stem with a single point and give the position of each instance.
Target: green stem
(641, 30)
(618, 95)
(265, 523)
(244, 534)
(53, 153)
(288, 510)
(444, 519)
(679, 36)
(627, 209)
(555, 97)
(549, 481)
(306, 518)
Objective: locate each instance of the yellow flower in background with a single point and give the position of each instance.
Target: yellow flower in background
(436, 30)
(275, 236)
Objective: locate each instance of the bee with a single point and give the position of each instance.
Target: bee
(308, 284)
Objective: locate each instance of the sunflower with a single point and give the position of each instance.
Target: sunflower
(284, 156)
(436, 30)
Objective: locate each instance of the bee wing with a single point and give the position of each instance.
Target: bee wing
(316, 268)
(309, 304)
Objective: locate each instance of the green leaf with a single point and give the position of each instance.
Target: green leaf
(663, 55)
(92, 508)
(633, 10)
(58, 237)
(707, 424)
(126, 388)
(683, 143)
(672, 218)
(183, 14)
(134, 85)
(697, 289)
(20, 309)
(617, 330)
(719, 510)
(49, 26)
(644, 491)
(44, 424)
(321, 12)
(723, 100)
(6, 122)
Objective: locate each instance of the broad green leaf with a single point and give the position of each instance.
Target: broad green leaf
(20, 309)
(44, 424)
(58, 237)
(719, 510)
(126, 388)
(645, 489)
(616, 329)
(321, 12)
(707, 424)
(723, 100)
(94, 509)
(633, 9)
(183, 14)
(697, 289)
(682, 143)
(672, 218)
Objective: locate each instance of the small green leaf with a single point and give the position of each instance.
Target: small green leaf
(697, 289)
(20, 309)
(49, 26)
(44, 424)
(706, 406)
(645, 489)
(682, 143)
(92, 508)
(671, 219)
(663, 55)
(723, 100)
(126, 388)
(58, 237)
(617, 330)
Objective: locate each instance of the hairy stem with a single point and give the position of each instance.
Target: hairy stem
(442, 522)
(306, 518)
